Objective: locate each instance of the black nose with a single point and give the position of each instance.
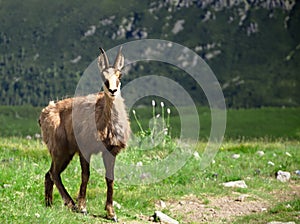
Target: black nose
(112, 91)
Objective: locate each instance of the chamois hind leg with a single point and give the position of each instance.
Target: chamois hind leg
(85, 175)
(109, 164)
(59, 165)
(48, 188)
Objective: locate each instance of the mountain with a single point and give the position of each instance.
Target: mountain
(252, 46)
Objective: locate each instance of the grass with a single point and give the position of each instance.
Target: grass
(281, 212)
(19, 120)
(24, 162)
(270, 123)
(275, 131)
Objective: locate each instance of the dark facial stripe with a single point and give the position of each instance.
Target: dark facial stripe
(106, 83)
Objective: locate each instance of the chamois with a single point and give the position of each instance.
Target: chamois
(63, 132)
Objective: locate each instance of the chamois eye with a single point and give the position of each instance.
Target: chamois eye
(106, 83)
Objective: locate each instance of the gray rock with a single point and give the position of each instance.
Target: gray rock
(238, 183)
(242, 197)
(236, 156)
(283, 176)
(260, 153)
(159, 216)
(275, 222)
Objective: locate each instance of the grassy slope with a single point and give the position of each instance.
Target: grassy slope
(26, 161)
(269, 123)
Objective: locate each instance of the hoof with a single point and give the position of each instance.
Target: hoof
(83, 211)
(113, 218)
(74, 208)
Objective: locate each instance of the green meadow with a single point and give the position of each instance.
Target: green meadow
(190, 195)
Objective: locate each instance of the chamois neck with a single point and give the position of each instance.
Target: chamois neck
(108, 106)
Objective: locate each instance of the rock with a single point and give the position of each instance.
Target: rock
(215, 175)
(159, 216)
(276, 222)
(236, 156)
(264, 209)
(139, 164)
(257, 171)
(162, 204)
(7, 185)
(260, 153)
(238, 183)
(283, 176)
(182, 202)
(241, 197)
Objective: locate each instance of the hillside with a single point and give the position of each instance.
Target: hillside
(252, 46)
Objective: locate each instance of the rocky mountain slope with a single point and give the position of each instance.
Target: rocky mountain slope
(252, 46)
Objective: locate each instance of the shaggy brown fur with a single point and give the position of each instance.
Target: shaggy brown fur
(84, 125)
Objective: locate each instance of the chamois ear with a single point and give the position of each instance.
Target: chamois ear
(102, 61)
(119, 62)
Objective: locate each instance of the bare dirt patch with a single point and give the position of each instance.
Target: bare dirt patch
(190, 209)
(209, 209)
(215, 209)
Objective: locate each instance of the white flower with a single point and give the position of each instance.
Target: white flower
(153, 103)
(236, 156)
(162, 104)
(168, 110)
(196, 155)
(158, 115)
(288, 154)
(260, 153)
(133, 111)
(271, 163)
(139, 164)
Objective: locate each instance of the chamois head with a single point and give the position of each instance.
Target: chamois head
(111, 75)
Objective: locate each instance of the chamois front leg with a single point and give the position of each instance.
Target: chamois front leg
(109, 164)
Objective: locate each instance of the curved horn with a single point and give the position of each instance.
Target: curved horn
(106, 63)
(119, 62)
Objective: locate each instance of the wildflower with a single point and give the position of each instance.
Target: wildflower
(158, 115)
(236, 156)
(196, 155)
(168, 110)
(288, 154)
(162, 104)
(153, 103)
(139, 164)
(133, 111)
(260, 153)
